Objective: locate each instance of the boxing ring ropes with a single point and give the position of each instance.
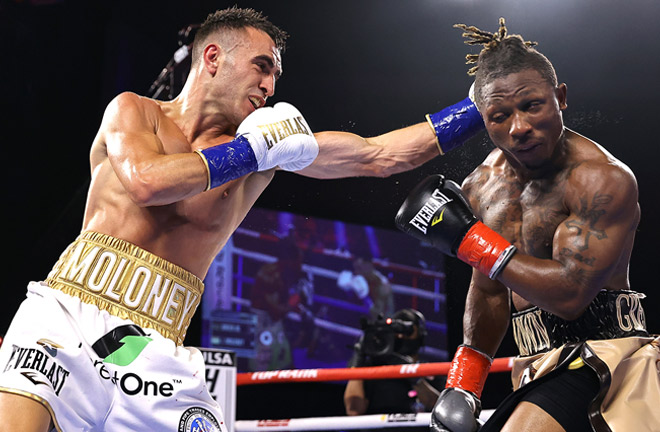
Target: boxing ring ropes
(373, 421)
(370, 421)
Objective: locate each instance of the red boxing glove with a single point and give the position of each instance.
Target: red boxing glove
(485, 250)
(438, 213)
(469, 370)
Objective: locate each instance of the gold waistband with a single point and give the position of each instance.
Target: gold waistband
(128, 282)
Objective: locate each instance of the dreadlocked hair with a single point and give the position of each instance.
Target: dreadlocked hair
(490, 41)
(502, 54)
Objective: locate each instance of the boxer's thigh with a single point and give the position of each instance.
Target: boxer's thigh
(527, 417)
(45, 367)
(34, 417)
(559, 404)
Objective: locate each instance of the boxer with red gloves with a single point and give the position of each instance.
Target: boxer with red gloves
(547, 221)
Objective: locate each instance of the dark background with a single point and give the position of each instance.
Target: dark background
(360, 66)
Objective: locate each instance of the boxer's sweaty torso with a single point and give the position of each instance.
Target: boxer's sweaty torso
(529, 213)
(188, 233)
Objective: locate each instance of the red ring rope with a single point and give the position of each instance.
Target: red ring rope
(364, 373)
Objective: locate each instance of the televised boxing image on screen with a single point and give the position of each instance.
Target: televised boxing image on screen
(291, 291)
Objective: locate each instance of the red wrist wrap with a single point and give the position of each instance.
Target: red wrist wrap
(469, 370)
(482, 248)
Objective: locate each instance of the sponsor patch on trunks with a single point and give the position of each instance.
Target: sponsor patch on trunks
(198, 419)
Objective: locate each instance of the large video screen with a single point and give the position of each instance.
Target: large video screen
(293, 292)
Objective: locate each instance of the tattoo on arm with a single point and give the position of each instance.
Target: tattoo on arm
(589, 215)
(582, 276)
(570, 253)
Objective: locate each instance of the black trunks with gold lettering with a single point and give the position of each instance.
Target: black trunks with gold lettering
(611, 315)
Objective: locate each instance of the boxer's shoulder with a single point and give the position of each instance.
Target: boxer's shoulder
(129, 111)
(603, 177)
(131, 101)
(491, 181)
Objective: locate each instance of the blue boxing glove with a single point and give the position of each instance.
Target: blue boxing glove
(267, 138)
(456, 124)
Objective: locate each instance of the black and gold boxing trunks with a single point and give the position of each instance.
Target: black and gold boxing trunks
(611, 315)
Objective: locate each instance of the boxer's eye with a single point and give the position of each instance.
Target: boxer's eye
(532, 106)
(498, 117)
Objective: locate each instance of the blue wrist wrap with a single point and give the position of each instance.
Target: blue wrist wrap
(228, 161)
(455, 124)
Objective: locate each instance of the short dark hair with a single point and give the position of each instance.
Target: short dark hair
(235, 18)
(502, 55)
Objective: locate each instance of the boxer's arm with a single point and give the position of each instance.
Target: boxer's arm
(344, 154)
(487, 313)
(485, 322)
(149, 176)
(587, 246)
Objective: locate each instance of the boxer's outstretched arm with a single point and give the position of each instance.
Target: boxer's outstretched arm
(343, 154)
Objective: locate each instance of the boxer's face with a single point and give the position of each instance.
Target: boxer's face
(249, 68)
(522, 113)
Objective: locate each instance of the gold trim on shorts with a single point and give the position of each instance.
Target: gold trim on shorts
(128, 282)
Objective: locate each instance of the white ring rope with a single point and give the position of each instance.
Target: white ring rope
(371, 421)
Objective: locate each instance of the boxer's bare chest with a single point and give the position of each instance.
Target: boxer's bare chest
(216, 209)
(526, 213)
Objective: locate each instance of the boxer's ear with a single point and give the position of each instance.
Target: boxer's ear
(560, 92)
(211, 57)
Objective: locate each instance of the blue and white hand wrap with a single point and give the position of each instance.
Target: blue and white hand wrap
(228, 161)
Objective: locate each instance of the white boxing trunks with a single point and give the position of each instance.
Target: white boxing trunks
(95, 371)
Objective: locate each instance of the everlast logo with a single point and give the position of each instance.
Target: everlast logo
(39, 364)
(275, 132)
(423, 217)
(120, 280)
